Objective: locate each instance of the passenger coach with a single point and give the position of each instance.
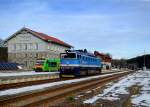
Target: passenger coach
(79, 63)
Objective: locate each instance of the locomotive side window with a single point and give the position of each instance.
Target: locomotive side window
(79, 56)
(83, 58)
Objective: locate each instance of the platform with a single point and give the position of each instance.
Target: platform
(16, 77)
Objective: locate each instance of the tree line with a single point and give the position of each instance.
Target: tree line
(3, 54)
(132, 63)
(139, 61)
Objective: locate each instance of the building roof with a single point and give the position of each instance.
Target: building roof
(42, 36)
(100, 54)
(105, 57)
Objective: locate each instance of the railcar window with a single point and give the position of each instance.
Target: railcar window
(40, 62)
(52, 64)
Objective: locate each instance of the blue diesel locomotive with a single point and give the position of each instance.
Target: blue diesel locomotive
(76, 63)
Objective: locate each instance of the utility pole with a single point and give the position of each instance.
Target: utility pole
(144, 66)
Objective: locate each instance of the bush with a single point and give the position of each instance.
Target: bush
(70, 98)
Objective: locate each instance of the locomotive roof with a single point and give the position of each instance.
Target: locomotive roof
(82, 52)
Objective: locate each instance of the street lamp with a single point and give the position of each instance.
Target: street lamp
(144, 66)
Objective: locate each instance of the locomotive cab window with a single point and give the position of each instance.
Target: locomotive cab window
(68, 55)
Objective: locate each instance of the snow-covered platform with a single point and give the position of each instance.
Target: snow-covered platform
(25, 76)
(134, 88)
(16, 77)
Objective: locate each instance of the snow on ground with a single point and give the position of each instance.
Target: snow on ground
(115, 69)
(47, 85)
(6, 74)
(140, 78)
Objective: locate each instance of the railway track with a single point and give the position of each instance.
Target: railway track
(29, 83)
(46, 97)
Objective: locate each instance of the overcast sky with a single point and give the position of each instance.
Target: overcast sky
(118, 27)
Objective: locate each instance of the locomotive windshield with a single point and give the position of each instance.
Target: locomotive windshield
(68, 55)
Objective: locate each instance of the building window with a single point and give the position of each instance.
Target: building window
(36, 55)
(52, 48)
(30, 55)
(24, 46)
(26, 55)
(25, 63)
(35, 46)
(13, 46)
(18, 46)
(16, 55)
(23, 55)
(48, 47)
(31, 63)
(39, 55)
(29, 46)
(47, 55)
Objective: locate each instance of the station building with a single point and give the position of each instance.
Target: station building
(106, 60)
(26, 46)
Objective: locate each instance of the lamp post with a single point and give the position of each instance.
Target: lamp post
(144, 66)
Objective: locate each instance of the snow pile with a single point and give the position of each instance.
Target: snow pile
(48, 85)
(115, 69)
(143, 98)
(140, 78)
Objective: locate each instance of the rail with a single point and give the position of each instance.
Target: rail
(46, 97)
